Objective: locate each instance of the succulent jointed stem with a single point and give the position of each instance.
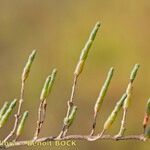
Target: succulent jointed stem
(128, 99)
(24, 77)
(77, 72)
(101, 97)
(124, 102)
(21, 125)
(49, 82)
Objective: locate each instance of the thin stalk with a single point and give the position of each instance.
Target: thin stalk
(24, 77)
(70, 105)
(128, 99)
(122, 127)
(94, 125)
(43, 102)
(77, 72)
(39, 121)
(101, 97)
(17, 116)
(102, 133)
(41, 118)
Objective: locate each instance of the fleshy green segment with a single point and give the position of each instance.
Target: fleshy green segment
(3, 109)
(28, 65)
(8, 113)
(69, 120)
(22, 123)
(134, 72)
(148, 107)
(53, 77)
(129, 88)
(45, 88)
(103, 91)
(114, 113)
(128, 98)
(85, 50)
(48, 85)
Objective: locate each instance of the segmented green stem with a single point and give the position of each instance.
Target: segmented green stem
(3, 109)
(7, 113)
(77, 72)
(43, 101)
(101, 97)
(24, 77)
(21, 125)
(112, 117)
(128, 99)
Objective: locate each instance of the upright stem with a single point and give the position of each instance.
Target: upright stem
(123, 122)
(70, 105)
(17, 116)
(94, 124)
(49, 82)
(44, 110)
(101, 97)
(146, 118)
(39, 121)
(70, 102)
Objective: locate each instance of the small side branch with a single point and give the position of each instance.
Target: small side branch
(49, 82)
(94, 124)
(24, 77)
(70, 102)
(40, 120)
(17, 116)
(70, 105)
(122, 128)
(101, 97)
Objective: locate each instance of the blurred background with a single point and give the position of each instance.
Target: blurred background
(58, 31)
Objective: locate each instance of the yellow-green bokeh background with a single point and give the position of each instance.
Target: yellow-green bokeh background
(58, 30)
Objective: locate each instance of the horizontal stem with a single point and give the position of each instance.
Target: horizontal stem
(78, 137)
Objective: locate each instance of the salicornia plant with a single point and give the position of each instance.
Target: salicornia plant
(21, 116)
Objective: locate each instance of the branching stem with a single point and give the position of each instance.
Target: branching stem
(41, 118)
(70, 105)
(76, 137)
(17, 116)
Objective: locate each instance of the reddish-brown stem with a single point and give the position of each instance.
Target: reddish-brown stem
(41, 117)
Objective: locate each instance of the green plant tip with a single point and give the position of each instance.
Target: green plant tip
(8, 113)
(103, 91)
(114, 113)
(32, 55)
(85, 50)
(13, 104)
(45, 88)
(51, 83)
(69, 120)
(134, 72)
(3, 109)
(48, 85)
(28, 65)
(22, 123)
